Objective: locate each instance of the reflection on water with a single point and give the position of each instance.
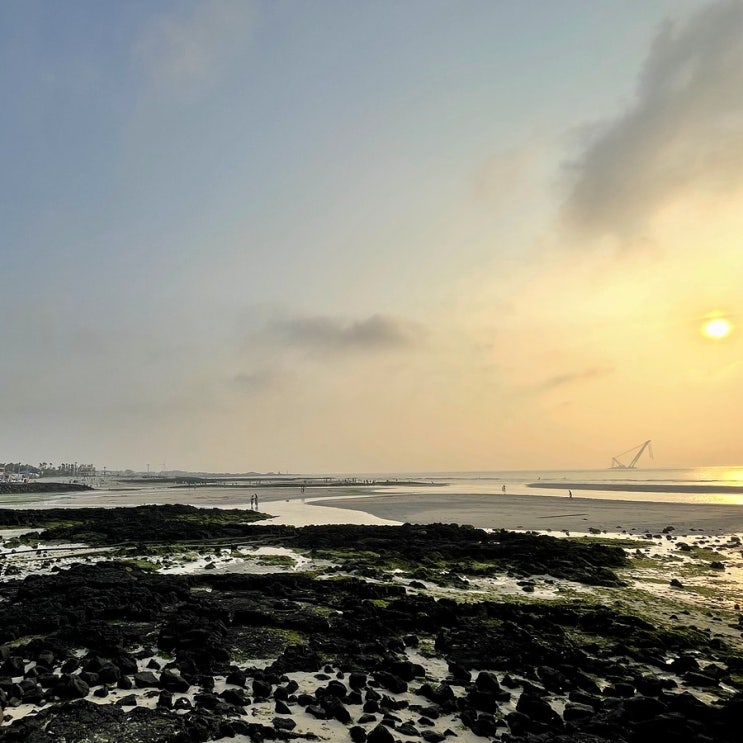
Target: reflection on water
(729, 474)
(719, 474)
(721, 482)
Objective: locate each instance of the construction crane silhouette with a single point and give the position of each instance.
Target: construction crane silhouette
(616, 464)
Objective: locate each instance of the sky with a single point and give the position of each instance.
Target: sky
(370, 237)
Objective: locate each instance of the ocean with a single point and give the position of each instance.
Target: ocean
(702, 485)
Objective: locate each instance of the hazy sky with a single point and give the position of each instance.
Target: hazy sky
(370, 236)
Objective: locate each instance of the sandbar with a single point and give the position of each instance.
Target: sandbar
(522, 511)
(641, 487)
(542, 513)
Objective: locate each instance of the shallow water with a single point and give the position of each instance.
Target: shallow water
(721, 482)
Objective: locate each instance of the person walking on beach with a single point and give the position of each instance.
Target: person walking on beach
(570, 493)
(252, 501)
(503, 489)
(256, 501)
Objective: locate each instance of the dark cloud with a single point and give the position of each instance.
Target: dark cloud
(320, 333)
(683, 133)
(256, 381)
(562, 380)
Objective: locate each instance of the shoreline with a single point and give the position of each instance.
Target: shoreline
(521, 511)
(544, 513)
(639, 487)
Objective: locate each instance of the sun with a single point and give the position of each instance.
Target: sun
(717, 328)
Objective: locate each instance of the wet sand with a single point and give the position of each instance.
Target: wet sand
(320, 505)
(545, 512)
(640, 487)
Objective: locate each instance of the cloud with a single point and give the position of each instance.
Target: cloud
(256, 381)
(330, 334)
(563, 380)
(684, 131)
(187, 50)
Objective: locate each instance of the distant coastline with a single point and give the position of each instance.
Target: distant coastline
(293, 482)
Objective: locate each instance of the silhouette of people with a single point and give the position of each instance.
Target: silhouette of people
(256, 501)
(503, 489)
(570, 493)
(252, 502)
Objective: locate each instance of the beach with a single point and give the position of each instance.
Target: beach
(521, 510)
(542, 513)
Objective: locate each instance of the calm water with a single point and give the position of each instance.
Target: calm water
(722, 481)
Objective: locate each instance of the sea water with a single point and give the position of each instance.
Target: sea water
(722, 484)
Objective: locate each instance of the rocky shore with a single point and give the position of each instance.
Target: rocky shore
(34, 487)
(351, 633)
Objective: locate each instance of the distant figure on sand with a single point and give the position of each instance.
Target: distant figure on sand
(503, 489)
(570, 493)
(256, 501)
(252, 501)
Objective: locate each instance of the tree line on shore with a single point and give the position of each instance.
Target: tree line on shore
(47, 469)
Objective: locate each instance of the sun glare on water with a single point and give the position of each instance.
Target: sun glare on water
(717, 327)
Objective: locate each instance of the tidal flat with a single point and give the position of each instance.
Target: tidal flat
(175, 623)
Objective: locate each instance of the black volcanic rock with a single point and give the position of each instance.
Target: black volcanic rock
(537, 708)
(71, 687)
(346, 631)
